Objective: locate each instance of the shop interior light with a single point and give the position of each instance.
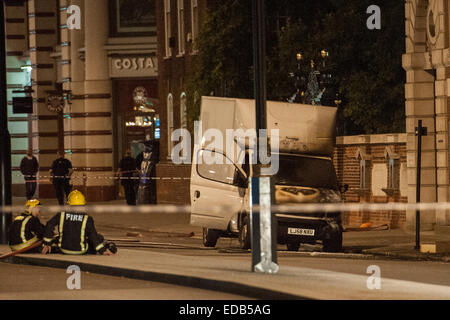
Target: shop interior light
(27, 67)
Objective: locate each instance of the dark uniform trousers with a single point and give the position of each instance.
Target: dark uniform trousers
(30, 186)
(76, 234)
(25, 231)
(62, 189)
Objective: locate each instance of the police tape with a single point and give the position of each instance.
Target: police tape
(45, 178)
(220, 209)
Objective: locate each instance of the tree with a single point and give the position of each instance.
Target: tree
(365, 64)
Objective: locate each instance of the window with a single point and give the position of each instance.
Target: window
(169, 123)
(181, 42)
(306, 172)
(167, 29)
(393, 169)
(131, 18)
(183, 111)
(392, 174)
(194, 20)
(362, 174)
(364, 169)
(219, 170)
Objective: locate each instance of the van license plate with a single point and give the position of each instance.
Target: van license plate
(301, 232)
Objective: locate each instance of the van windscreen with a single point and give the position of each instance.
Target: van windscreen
(306, 172)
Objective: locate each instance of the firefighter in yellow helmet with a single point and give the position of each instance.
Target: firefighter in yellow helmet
(77, 234)
(27, 229)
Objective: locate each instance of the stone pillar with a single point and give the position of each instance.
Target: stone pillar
(426, 90)
(89, 133)
(42, 22)
(16, 36)
(72, 65)
(442, 133)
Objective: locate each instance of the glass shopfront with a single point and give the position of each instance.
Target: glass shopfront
(137, 116)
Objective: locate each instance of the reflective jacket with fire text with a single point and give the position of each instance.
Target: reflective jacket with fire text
(77, 233)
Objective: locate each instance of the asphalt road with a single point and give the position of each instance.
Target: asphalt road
(171, 233)
(20, 282)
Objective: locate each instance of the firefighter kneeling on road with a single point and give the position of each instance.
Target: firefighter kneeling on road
(77, 234)
(26, 229)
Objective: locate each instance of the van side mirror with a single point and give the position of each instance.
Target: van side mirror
(240, 180)
(343, 188)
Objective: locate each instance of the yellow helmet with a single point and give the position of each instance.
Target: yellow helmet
(31, 204)
(76, 198)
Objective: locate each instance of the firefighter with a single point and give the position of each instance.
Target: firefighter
(27, 229)
(77, 234)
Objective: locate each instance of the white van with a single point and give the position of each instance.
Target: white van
(306, 173)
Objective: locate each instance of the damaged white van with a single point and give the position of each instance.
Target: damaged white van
(306, 139)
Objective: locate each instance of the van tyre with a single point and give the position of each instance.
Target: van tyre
(293, 246)
(334, 244)
(244, 234)
(210, 237)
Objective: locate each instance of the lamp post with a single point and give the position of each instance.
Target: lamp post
(311, 91)
(262, 221)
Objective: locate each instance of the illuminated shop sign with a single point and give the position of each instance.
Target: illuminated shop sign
(133, 66)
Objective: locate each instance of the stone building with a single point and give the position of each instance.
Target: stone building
(427, 65)
(93, 71)
(178, 24)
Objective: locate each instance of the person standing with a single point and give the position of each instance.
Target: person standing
(61, 172)
(127, 170)
(29, 166)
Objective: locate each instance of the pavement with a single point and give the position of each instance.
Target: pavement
(231, 275)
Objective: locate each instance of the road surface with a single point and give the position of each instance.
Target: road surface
(21, 282)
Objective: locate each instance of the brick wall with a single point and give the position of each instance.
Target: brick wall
(377, 150)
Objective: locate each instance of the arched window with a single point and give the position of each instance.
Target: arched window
(169, 123)
(183, 111)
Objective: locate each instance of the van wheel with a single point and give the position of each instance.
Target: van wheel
(334, 244)
(244, 235)
(293, 246)
(210, 237)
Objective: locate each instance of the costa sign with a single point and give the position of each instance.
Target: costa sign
(134, 63)
(137, 66)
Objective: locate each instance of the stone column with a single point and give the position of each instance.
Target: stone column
(73, 83)
(42, 22)
(90, 132)
(425, 62)
(16, 36)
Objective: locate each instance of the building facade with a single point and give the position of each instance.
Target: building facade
(94, 74)
(427, 65)
(178, 24)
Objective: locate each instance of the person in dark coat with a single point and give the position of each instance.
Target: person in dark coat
(29, 166)
(61, 171)
(127, 170)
